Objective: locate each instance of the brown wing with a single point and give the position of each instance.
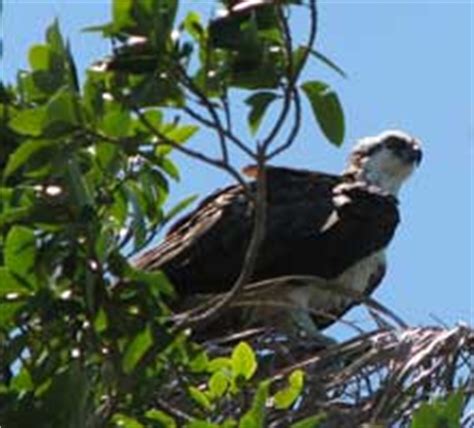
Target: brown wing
(204, 252)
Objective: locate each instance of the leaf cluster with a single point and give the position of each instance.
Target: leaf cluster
(86, 167)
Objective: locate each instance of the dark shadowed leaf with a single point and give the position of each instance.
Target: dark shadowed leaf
(327, 110)
(324, 59)
(255, 417)
(54, 37)
(259, 104)
(20, 253)
(27, 150)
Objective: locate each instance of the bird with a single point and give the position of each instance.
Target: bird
(323, 232)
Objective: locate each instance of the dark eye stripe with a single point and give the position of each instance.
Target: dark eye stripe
(395, 143)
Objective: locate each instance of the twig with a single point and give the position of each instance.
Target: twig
(174, 411)
(215, 123)
(293, 77)
(218, 163)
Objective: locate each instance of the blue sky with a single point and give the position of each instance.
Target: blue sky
(409, 65)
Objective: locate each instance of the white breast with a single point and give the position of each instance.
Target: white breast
(356, 278)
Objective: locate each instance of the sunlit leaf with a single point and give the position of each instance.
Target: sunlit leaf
(287, 396)
(164, 420)
(244, 362)
(136, 349)
(123, 421)
(29, 122)
(40, 57)
(218, 384)
(200, 398)
(441, 413)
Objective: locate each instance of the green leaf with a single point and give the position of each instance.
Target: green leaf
(170, 168)
(287, 396)
(259, 103)
(201, 424)
(324, 59)
(218, 384)
(442, 413)
(199, 363)
(20, 253)
(54, 37)
(81, 192)
(192, 24)
(29, 122)
(22, 382)
(310, 422)
(9, 285)
(200, 398)
(40, 57)
(164, 420)
(155, 280)
(137, 348)
(116, 123)
(243, 360)
(180, 206)
(122, 14)
(138, 224)
(179, 135)
(100, 321)
(24, 152)
(61, 113)
(255, 417)
(123, 421)
(219, 363)
(327, 110)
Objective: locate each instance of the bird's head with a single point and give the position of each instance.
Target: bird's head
(385, 160)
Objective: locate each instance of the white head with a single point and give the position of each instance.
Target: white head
(385, 160)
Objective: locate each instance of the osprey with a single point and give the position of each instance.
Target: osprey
(322, 231)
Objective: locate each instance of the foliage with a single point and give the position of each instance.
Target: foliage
(87, 339)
